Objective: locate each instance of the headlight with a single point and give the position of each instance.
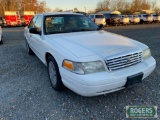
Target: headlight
(146, 53)
(84, 67)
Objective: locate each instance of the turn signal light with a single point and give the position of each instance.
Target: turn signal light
(68, 65)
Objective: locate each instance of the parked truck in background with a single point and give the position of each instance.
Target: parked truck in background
(112, 17)
(12, 18)
(27, 16)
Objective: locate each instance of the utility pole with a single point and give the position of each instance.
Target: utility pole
(85, 9)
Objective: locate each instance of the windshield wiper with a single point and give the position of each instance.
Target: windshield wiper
(69, 31)
(83, 29)
(57, 32)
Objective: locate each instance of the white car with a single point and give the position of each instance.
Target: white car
(145, 18)
(84, 58)
(134, 19)
(1, 42)
(99, 19)
(124, 19)
(156, 17)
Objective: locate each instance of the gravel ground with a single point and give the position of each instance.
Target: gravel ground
(26, 93)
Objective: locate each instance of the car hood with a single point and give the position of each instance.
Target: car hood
(102, 43)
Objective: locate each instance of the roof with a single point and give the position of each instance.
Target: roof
(59, 13)
(96, 14)
(144, 12)
(110, 12)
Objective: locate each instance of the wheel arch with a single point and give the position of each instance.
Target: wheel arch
(49, 54)
(60, 85)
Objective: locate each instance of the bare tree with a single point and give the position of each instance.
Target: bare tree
(137, 5)
(75, 9)
(118, 5)
(57, 10)
(155, 7)
(22, 5)
(103, 5)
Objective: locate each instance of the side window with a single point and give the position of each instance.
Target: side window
(32, 23)
(91, 16)
(38, 23)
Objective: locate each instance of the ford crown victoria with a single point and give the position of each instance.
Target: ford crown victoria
(84, 58)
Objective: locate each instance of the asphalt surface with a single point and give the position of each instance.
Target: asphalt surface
(26, 93)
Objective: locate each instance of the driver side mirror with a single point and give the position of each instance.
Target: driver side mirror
(34, 31)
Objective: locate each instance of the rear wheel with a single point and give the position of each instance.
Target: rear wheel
(54, 75)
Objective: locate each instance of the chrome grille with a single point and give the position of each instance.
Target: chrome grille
(124, 61)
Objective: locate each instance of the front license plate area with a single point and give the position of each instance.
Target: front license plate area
(131, 80)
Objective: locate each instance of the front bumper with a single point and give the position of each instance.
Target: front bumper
(104, 82)
(125, 22)
(101, 24)
(136, 21)
(149, 21)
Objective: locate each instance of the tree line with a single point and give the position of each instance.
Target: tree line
(104, 5)
(127, 7)
(23, 5)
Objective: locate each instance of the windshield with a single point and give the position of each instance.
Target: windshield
(115, 16)
(156, 15)
(68, 23)
(99, 16)
(147, 15)
(136, 16)
(125, 16)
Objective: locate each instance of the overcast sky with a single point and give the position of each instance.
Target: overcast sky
(80, 4)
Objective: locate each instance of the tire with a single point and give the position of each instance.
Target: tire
(131, 23)
(1, 42)
(54, 75)
(29, 50)
(141, 21)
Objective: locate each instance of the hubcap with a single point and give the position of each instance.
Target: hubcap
(52, 73)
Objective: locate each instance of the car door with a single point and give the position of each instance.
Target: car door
(27, 34)
(37, 39)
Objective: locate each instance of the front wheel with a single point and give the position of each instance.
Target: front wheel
(29, 50)
(54, 75)
(130, 22)
(141, 21)
(1, 42)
